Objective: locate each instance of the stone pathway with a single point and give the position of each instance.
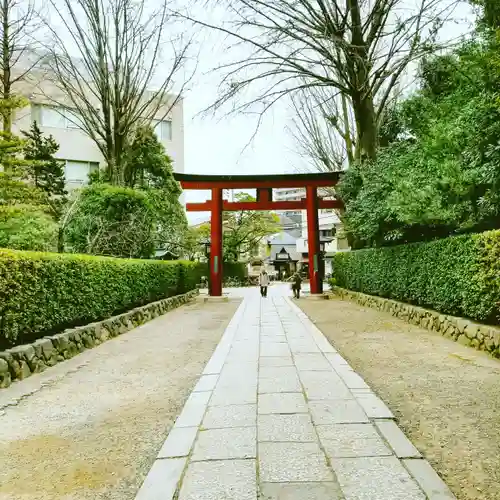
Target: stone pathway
(278, 414)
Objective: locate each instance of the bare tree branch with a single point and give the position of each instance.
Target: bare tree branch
(113, 83)
(358, 48)
(19, 24)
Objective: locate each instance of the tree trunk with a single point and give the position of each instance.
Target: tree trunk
(6, 74)
(366, 126)
(60, 239)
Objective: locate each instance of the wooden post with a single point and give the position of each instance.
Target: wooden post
(316, 282)
(216, 243)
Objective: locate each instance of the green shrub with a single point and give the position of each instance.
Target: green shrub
(230, 270)
(27, 228)
(43, 293)
(458, 275)
(237, 270)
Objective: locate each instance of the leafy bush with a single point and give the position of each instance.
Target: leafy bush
(112, 220)
(437, 173)
(43, 293)
(27, 228)
(457, 275)
(237, 270)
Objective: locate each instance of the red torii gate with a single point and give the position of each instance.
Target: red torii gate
(264, 185)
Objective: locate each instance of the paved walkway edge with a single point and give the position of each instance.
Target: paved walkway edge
(278, 411)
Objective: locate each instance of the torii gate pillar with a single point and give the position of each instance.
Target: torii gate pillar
(315, 278)
(216, 243)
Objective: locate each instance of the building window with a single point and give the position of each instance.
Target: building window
(57, 117)
(77, 172)
(163, 130)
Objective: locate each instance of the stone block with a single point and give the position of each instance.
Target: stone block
(463, 340)
(88, 342)
(270, 385)
(395, 437)
(179, 442)
(337, 412)
(352, 440)
(226, 444)
(376, 478)
(61, 341)
(23, 352)
(276, 361)
(4, 366)
(293, 462)
(194, 409)
(300, 491)
(24, 371)
(162, 480)
(218, 480)
(312, 362)
(373, 406)
(5, 380)
(206, 383)
(234, 395)
(219, 417)
(432, 485)
(286, 428)
(283, 403)
(275, 349)
(324, 385)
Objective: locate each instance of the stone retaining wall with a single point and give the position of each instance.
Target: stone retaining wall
(21, 361)
(463, 331)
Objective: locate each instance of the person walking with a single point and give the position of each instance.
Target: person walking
(263, 282)
(296, 285)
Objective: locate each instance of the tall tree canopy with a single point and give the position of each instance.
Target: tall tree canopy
(354, 48)
(439, 171)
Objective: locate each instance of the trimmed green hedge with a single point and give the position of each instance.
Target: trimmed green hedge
(236, 270)
(459, 276)
(43, 293)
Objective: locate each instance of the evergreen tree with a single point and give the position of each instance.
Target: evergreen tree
(45, 172)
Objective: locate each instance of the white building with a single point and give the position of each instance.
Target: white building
(332, 238)
(76, 148)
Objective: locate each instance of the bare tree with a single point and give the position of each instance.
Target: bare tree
(358, 48)
(322, 129)
(19, 23)
(118, 46)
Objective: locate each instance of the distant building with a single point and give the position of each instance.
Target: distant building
(282, 256)
(332, 239)
(76, 148)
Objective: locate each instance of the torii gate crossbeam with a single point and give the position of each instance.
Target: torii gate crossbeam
(264, 185)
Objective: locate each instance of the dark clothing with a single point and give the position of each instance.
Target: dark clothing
(263, 291)
(296, 283)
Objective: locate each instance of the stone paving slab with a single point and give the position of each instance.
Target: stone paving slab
(300, 491)
(225, 444)
(220, 417)
(375, 478)
(290, 462)
(297, 428)
(279, 414)
(220, 480)
(283, 403)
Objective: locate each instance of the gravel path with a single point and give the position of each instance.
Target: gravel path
(446, 396)
(90, 428)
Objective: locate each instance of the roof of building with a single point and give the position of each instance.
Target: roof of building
(282, 239)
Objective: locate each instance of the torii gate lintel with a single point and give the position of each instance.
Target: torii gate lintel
(264, 185)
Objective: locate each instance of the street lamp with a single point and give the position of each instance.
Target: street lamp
(206, 243)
